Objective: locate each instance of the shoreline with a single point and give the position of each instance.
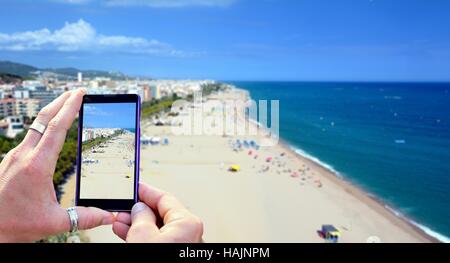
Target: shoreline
(365, 196)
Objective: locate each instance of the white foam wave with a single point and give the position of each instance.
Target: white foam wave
(315, 159)
(425, 229)
(432, 233)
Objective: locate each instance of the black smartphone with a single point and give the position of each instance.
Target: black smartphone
(108, 152)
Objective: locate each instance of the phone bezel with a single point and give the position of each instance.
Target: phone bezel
(114, 205)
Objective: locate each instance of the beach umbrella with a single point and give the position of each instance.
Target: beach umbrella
(235, 168)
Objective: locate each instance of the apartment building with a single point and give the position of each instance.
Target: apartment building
(7, 107)
(27, 107)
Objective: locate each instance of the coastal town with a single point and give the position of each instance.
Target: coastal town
(21, 100)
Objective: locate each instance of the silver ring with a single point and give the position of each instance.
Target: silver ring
(73, 216)
(39, 127)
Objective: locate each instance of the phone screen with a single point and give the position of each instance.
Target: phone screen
(107, 158)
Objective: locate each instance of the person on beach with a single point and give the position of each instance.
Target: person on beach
(29, 210)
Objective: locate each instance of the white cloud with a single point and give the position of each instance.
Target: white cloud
(94, 111)
(155, 3)
(81, 36)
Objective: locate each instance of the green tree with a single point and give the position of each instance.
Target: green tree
(6, 146)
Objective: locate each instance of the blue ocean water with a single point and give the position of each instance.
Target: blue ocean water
(391, 139)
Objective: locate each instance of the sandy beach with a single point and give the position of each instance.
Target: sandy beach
(276, 196)
(108, 172)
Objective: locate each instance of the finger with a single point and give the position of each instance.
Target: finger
(124, 218)
(183, 227)
(53, 139)
(121, 229)
(44, 116)
(88, 217)
(143, 224)
(161, 201)
(179, 223)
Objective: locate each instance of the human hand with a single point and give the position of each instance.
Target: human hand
(179, 225)
(28, 206)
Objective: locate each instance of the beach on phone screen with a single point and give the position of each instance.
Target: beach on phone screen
(108, 151)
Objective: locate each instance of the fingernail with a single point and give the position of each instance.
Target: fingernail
(82, 90)
(137, 208)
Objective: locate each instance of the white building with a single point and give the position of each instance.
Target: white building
(21, 94)
(156, 92)
(92, 133)
(11, 126)
(31, 84)
(80, 77)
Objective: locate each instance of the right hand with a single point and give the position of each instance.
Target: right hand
(179, 225)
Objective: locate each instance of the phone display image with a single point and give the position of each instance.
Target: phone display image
(108, 151)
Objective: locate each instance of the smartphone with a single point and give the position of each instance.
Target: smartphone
(108, 152)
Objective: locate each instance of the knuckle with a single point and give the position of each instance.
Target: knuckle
(194, 223)
(32, 165)
(44, 114)
(138, 229)
(168, 196)
(14, 156)
(21, 147)
(53, 125)
(73, 111)
(197, 224)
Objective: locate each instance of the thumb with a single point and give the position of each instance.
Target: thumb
(143, 224)
(88, 217)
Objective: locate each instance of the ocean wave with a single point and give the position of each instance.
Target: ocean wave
(425, 229)
(316, 160)
(432, 233)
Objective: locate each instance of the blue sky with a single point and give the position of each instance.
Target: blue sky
(372, 40)
(109, 115)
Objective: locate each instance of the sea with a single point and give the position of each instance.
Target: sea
(390, 139)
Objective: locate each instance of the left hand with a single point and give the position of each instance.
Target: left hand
(29, 209)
